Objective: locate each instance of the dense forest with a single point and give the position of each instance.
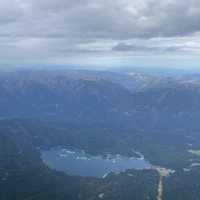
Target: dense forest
(24, 176)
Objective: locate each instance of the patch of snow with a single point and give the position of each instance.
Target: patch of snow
(63, 155)
(68, 151)
(195, 165)
(105, 175)
(114, 161)
(81, 158)
(186, 170)
(129, 174)
(101, 195)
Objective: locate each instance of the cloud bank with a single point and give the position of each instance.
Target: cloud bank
(49, 30)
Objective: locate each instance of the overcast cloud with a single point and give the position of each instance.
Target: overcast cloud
(60, 30)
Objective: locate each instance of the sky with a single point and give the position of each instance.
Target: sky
(100, 33)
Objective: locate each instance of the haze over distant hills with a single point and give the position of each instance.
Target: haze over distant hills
(102, 97)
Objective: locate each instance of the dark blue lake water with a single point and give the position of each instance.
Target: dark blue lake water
(79, 163)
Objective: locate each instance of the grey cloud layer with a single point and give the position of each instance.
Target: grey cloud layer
(119, 19)
(56, 27)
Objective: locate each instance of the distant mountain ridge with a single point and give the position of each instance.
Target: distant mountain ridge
(101, 98)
